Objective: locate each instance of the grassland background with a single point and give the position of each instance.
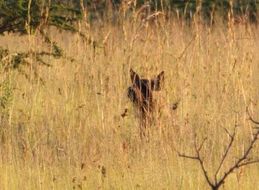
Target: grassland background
(62, 128)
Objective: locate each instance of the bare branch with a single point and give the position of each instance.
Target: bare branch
(227, 132)
(249, 163)
(199, 159)
(242, 160)
(205, 172)
(200, 147)
(187, 156)
(250, 117)
(232, 137)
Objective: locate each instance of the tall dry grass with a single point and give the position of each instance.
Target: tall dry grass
(62, 128)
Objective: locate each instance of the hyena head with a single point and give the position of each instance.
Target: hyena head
(140, 92)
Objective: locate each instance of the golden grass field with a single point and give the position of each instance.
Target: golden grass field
(62, 128)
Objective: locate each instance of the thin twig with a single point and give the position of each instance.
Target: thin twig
(249, 163)
(250, 117)
(199, 159)
(241, 161)
(187, 156)
(232, 137)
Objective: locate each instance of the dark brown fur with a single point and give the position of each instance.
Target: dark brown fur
(140, 93)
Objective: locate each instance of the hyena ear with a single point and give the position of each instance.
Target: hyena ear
(134, 77)
(156, 83)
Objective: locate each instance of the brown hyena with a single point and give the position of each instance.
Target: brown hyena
(140, 93)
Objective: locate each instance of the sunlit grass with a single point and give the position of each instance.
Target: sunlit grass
(63, 129)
